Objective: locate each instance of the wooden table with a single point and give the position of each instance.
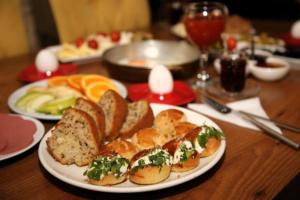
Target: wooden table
(254, 166)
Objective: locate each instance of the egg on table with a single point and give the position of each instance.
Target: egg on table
(46, 61)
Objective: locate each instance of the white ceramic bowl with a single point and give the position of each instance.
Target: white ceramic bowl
(270, 73)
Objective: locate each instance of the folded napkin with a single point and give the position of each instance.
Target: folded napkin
(251, 105)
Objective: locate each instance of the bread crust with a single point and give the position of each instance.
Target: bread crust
(118, 111)
(188, 165)
(183, 128)
(145, 138)
(123, 147)
(211, 146)
(109, 179)
(145, 121)
(53, 144)
(96, 112)
(150, 174)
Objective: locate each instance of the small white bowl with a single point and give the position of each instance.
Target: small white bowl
(270, 73)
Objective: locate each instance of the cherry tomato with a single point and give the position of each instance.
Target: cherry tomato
(231, 43)
(93, 44)
(79, 42)
(115, 36)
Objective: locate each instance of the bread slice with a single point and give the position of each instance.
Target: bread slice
(96, 113)
(115, 111)
(140, 115)
(74, 139)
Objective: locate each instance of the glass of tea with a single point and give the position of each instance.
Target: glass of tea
(233, 72)
(204, 22)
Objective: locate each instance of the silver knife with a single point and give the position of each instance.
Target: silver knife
(248, 116)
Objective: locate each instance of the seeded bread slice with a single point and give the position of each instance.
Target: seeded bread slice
(96, 113)
(140, 115)
(115, 111)
(74, 139)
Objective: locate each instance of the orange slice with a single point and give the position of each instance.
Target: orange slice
(75, 80)
(57, 80)
(95, 90)
(89, 79)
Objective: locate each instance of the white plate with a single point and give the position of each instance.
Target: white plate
(43, 83)
(76, 59)
(37, 136)
(74, 175)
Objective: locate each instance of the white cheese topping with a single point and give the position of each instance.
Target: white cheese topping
(198, 148)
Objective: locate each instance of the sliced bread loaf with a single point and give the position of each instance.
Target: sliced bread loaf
(96, 113)
(140, 115)
(115, 111)
(74, 139)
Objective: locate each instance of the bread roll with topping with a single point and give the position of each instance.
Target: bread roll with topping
(115, 111)
(147, 171)
(123, 147)
(140, 115)
(95, 112)
(185, 157)
(166, 120)
(74, 139)
(206, 139)
(108, 168)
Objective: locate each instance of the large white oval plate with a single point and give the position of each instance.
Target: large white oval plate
(43, 83)
(74, 175)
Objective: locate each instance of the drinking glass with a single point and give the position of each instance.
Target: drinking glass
(204, 23)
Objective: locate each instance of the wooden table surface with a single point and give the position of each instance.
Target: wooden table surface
(254, 166)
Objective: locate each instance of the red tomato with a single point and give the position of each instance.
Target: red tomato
(79, 42)
(93, 44)
(115, 36)
(231, 43)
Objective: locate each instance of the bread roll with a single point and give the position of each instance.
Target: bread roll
(166, 120)
(140, 115)
(123, 147)
(150, 171)
(95, 112)
(74, 139)
(183, 128)
(145, 138)
(115, 111)
(206, 139)
(107, 169)
(185, 157)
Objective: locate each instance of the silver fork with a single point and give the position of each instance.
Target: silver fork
(252, 118)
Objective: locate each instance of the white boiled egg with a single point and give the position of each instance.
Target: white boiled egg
(46, 61)
(160, 80)
(295, 30)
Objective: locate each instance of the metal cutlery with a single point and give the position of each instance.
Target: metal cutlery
(252, 118)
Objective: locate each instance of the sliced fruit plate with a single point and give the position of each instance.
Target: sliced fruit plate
(47, 99)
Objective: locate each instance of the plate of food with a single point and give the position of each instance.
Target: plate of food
(142, 148)
(28, 136)
(92, 47)
(47, 100)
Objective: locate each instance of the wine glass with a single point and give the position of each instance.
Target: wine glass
(204, 22)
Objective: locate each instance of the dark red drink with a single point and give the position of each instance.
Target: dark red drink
(204, 31)
(233, 73)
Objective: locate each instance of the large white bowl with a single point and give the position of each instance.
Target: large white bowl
(270, 73)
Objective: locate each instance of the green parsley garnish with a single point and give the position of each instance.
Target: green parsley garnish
(103, 166)
(157, 159)
(209, 131)
(186, 152)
